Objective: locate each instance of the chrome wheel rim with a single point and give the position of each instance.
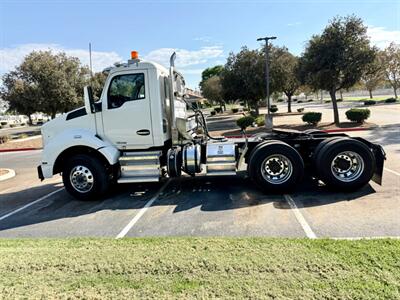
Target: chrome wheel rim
(81, 179)
(347, 166)
(276, 169)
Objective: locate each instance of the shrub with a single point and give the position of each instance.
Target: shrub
(4, 139)
(358, 115)
(339, 100)
(300, 101)
(280, 100)
(310, 100)
(390, 100)
(235, 110)
(218, 110)
(253, 113)
(312, 117)
(327, 101)
(260, 120)
(207, 104)
(245, 122)
(369, 102)
(273, 109)
(300, 109)
(213, 112)
(245, 109)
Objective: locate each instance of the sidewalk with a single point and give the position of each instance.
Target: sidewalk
(30, 143)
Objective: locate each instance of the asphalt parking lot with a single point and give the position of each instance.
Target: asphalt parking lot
(207, 206)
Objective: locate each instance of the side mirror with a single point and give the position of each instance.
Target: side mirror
(89, 101)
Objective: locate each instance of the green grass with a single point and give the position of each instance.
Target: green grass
(361, 99)
(381, 98)
(199, 268)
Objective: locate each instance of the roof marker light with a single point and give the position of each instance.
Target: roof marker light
(134, 55)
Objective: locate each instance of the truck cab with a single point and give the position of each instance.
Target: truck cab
(140, 131)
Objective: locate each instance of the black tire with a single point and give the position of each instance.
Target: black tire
(257, 168)
(96, 169)
(323, 144)
(362, 160)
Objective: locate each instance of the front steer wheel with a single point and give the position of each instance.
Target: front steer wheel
(85, 177)
(275, 166)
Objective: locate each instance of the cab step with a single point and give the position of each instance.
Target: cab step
(140, 167)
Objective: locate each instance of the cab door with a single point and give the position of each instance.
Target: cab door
(126, 110)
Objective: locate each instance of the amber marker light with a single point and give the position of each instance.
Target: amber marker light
(134, 54)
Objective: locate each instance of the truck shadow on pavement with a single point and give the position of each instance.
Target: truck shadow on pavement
(390, 137)
(207, 193)
(219, 193)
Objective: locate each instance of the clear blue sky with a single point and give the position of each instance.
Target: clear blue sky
(204, 32)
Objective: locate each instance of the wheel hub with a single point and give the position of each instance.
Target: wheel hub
(343, 163)
(274, 166)
(347, 166)
(81, 179)
(276, 169)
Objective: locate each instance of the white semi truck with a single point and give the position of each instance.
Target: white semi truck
(140, 131)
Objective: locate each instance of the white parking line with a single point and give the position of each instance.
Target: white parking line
(141, 212)
(307, 229)
(391, 171)
(29, 204)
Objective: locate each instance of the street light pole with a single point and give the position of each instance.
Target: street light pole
(268, 119)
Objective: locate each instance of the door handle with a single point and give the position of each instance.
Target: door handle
(143, 132)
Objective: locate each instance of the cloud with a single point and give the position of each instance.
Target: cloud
(12, 57)
(184, 57)
(382, 37)
(294, 24)
(204, 39)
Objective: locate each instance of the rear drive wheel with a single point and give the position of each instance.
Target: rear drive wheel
(85, 177)
(275, 166)
(323, 144)
(345, 164)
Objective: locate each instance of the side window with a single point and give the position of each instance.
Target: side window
(125, 88)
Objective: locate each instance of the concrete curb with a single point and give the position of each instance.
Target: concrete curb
(19, 149)
(351, 129)
(8, 175)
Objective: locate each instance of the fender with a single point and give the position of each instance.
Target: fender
(75, 137)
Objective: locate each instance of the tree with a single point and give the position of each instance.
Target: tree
(97, 83)
(284, 78)
(19, 95)
(45, 82)
(243, 77)
(390, 60)
(212, 90)
(210, 72)
(307, 90)
(373, 75)
(337, 58)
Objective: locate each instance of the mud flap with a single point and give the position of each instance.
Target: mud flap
(380, 157)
